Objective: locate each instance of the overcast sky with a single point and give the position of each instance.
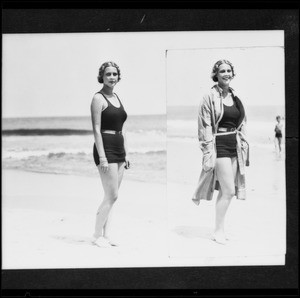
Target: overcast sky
(259, 73)
(56, 74)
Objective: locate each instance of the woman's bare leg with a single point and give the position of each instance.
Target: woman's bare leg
(110, 186)
(279, 145)
(107, 225)
(226, 169)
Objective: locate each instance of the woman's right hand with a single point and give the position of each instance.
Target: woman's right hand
(209, 155)
(209, 161)
(103, 164)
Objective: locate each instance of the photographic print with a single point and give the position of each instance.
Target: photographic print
(225, 150)
(61, 211)
(59, 91)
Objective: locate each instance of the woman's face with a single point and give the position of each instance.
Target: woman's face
(224, 74)
(110, 76)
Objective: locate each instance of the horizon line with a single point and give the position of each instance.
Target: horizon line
(134, 114)
(70, 116)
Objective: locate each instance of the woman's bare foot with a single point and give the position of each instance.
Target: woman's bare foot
(219, 237)
(195, 201)
(101, 242)
(113, 243)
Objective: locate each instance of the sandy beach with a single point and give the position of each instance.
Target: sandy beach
(48, 219)
(255, 226)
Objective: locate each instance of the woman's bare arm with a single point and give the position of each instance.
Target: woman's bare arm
(97, 106)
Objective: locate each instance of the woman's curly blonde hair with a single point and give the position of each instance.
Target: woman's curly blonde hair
(102, 69)
(216, 66)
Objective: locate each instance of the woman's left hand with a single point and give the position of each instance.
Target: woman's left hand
(127, 164)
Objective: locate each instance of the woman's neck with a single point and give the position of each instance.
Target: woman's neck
(225, 90)
(107, 90)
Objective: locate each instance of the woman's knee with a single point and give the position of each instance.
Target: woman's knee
(228, 193)
(112, 196)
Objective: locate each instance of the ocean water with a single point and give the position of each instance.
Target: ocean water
(261, 120)
(63, 145)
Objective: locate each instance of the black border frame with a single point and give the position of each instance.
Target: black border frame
(67, 16)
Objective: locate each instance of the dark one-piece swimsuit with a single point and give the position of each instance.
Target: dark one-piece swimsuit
(112, 118)
(226, 144)
(278, 133)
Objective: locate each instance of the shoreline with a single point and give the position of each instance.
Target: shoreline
(95, 176)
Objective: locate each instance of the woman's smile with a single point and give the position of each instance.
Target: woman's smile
(224, 74)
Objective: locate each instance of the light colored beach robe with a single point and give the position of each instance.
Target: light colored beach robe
(210, 113)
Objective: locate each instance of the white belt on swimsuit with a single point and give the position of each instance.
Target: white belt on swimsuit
(225, 131)
(112, 132)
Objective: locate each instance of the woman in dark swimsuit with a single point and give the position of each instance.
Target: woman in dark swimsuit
(110, 149)
(221, 122)
(278, 136)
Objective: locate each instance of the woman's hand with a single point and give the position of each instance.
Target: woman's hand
(103, 164)
(127, 164)
(209, 161)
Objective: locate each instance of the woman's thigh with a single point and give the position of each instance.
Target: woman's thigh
(120, 172)
(279, 141)
(110, 179)
(226, 168)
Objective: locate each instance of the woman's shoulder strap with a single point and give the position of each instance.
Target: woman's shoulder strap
(99, 92)
(118, 98)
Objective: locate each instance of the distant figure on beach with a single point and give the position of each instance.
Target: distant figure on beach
(221, 134)
(278, 136)
(110, 148)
